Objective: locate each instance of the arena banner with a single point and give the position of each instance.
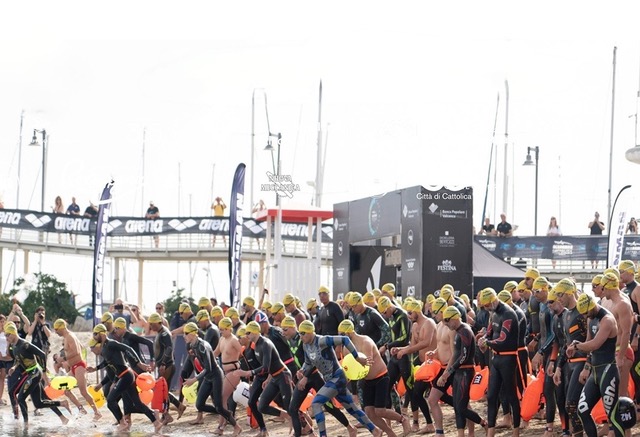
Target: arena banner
(411, 243)
(341, 249)
(235, 235)
(100, 251)
(578, 248)
(447, 215)
(138, 226)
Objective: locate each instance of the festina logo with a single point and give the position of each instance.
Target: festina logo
(446, 266)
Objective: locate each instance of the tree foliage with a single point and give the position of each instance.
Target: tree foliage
(172, 304)
(44, 290)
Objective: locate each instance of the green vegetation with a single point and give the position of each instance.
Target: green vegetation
(47, 291)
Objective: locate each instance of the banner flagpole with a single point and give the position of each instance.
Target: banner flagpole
(100, 251)
(235, 234)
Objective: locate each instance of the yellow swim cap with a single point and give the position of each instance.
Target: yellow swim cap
(510, 286)
(415, 306)
(389, 288)
(465, 298)
(552, 295)
(277, 307)
(445, 293)
(610, 281)
(541, 283)
(253, 327)
(288, 322)
(99, 329)
(450, 313)
(266, 305)
(323, 289)
(241, 332)
(345, 327)
(532, 274)
(505, 297)
(202, 315)
(564, 286)
(216, 311)
(60, 323)
(250, 301)
(430, 298)
(10, 328)
(369, 298)
(438, 305)
(190, 328)
(106, 317)
(154, 318)
(585, 303)
(306, 327)
(204, 302)
(288, 299)
(120, 322)
(627, 266)
(521, 286)
(486, 296)
(354, 298)
(225, 323)
(384, 303)
(614, 271)
(312, 303)
(597, 280)
(231, 313)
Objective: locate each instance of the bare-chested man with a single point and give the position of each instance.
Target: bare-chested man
(621, 310)
(444, 352)
(423, 339)
(230, 349)
(78, 367)
(376, 384)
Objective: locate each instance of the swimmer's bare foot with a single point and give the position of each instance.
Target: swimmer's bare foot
(353, 432)
(65, 404)
(181, 409)
(81, 410)
(63, 419)
(157, 425)
(377, 432)
(97, 416)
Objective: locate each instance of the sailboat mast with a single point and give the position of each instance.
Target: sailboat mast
(493, 137)
(505, 190)
(319, 160)
(613, 101)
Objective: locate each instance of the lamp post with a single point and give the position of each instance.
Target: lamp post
(276, 168)
(35, 143)
(528, 162)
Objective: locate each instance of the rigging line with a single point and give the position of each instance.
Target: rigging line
(493, 137)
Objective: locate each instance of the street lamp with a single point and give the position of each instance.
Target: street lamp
(35, 143)
(529, 162)
(276, 169)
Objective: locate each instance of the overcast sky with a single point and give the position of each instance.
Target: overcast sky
(409, 99)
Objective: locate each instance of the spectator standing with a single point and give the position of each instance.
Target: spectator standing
(58, 208)
(92, 213)
(74, 210)
(596, 227)
(504, 228)
(632, 226)
(217, 208)
(153, 213)
(488, 228)
(257, 209)
(553, 231)
(5, 358)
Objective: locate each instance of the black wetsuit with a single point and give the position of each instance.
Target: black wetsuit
(604, 382)
(30, 361)
(209, 381)
(547, 337)
(163, 353)
(328, 319)
(636, 355)
(574, 328)
(502, 338)
(400, 337)
(462, 369)
(116, 355)
(269, 364)
(373, 325)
